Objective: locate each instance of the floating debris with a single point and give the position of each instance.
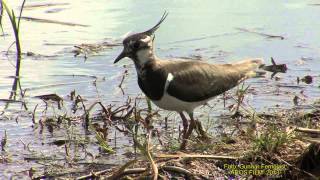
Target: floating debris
(296, 100)
(52, 21)
(315, 4)
(277, 78)
(86, 49)
(191, 57)
(275, 68)
(4, 141)
(307, 79)
(55, 10)
(306, 58)
(10, 101)
(51, 97)
(261, 34)
(38, 56)
(3, 34)
(58, 44)
(32, 6)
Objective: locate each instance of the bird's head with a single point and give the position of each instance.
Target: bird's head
(139, 43)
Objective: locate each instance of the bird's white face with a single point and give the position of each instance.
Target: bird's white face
(143, 55)
(138, 47)
(133, 43)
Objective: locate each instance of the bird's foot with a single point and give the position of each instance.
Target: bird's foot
(203, 135)
(183, 145)
(186, 135)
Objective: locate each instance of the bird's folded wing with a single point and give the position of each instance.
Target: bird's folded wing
(197, 81)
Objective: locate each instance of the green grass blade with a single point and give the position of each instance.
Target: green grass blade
(103, 144)
(149, 105)
(20, 14)
(12, 18)
(1, 15)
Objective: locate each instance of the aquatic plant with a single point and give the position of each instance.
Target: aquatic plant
(271, 140)
(15, 26)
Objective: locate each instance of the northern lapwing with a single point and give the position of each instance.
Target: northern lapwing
(181, 85)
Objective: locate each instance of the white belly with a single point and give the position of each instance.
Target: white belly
(171, 103)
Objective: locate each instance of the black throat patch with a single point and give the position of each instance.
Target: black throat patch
(152, 81)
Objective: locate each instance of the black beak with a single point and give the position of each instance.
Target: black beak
(121, 56)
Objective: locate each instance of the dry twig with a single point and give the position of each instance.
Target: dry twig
(307, 130)
(196, 156)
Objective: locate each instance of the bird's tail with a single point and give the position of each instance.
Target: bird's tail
(250, 67)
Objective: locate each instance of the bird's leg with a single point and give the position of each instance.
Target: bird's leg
(188, 133)
(184, 123)
(201, 132)
(191, 126)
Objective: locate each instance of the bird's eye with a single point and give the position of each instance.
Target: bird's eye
(136, 45)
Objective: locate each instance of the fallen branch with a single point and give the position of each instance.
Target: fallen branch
(196, 156)
(312, 140)
(118, 174)
(307, 130)
(93, 174)
(133, 171)
(178, 170)
(124, 173)
(121, 171)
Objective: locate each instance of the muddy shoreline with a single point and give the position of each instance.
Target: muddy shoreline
(72, 114)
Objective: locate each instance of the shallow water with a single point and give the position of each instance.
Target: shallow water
(208, 29)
